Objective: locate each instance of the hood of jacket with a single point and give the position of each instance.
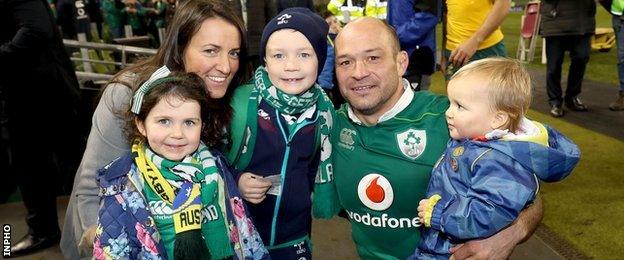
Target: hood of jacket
(548, 154)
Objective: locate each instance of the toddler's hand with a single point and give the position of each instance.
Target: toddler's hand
(422, 206)
(253, 187)
(425, 209)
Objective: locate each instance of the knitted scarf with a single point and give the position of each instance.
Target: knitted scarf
(325, 202)
(186, 190)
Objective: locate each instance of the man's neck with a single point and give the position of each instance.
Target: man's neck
(368, 120)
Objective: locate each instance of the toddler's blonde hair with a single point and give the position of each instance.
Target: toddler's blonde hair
(508, 84)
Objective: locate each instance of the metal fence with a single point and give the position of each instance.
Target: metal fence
(89, 74)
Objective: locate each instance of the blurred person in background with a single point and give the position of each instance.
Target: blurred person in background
(114, 16)
(36, 73)
(615, 7)
(471, 31)
(567, 26)
(414, 22)
(347, 10)
(327, 77)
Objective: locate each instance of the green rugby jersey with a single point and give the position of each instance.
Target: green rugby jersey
(382, 172)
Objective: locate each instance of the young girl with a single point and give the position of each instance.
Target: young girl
(280, 120)
(167, 198)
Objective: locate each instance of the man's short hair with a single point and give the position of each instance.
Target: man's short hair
(509, 85)
(394, 38)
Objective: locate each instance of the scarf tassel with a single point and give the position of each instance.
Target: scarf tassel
(325, 203)
(189, 245)
(219, 248)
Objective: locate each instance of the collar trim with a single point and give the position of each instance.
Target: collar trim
(401, 104)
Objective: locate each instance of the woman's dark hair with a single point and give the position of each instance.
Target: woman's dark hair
(187, 87)
(186, 22)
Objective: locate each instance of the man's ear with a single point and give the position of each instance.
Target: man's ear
(402, 62)
(501, 120)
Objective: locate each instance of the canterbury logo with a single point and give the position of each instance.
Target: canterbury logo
(160, 208)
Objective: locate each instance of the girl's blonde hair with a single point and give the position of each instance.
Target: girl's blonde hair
(509, 86)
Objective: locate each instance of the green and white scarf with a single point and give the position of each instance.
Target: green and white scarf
(325, 201)
(200, 171)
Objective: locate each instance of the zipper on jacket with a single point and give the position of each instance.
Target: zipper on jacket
(139, 188)
(287, 141)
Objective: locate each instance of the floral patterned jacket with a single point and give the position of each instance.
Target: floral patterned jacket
(126, 229)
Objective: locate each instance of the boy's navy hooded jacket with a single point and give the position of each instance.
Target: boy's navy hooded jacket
(295, 157)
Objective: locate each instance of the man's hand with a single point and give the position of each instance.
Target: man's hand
(496, 247)
(253, 187)
(462, 54)
(501, 244)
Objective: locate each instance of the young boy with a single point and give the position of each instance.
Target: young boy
(489, 170)
(280, 119)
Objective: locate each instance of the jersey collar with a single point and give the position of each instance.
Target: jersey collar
(400, 105)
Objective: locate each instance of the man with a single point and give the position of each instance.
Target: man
(616, 8)
(255, 14)
(113, 11)
(414, 22)
(376, 8)
(472, 31)
(347, 10)
(36, 73)
(567, 26)
(385, 143)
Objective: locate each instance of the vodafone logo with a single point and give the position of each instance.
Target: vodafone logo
(375, 192)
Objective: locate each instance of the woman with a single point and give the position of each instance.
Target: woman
(205, 37)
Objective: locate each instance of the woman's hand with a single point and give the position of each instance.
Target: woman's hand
(88, 238)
